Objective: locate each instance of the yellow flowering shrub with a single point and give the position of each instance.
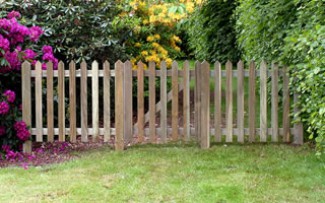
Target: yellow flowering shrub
(151, 28)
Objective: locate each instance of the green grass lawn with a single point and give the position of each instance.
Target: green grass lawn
(173, 173)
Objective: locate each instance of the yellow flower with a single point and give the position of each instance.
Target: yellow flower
(177, 49)
(155, 44)
(144, 53)
(157, 36)
(169, 62)
(150, 38)
(176, 38)
(137, 44)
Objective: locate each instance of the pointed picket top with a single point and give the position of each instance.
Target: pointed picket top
(240, 63)
(118, 63)
(38, 64)
(229, 63)
(25, 64)
(263, 64)
(72, 63)
(128, 64)
(197, 64)
(175, 64)
(152, 64)
(217, 63)
(186, 65)
(252, 63)
(205, 64)
(94, 64)
(163, 64)
(49, 65)
(106, 65)
(61, 65)
(140, 65)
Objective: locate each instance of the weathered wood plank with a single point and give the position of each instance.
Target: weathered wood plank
(84, 102)
(140, 102)
(38, 102)
(61, 94)
(152, 102)
(119, 101)
(217, 101)
(175, 101)
(252, 101)
(197, 104)
(240, 101)
(163, 100)
(72, 107)
(274, 103)
(49, 101)
(205, 105)
(229, 102)
(95, 100)
(186, 101)
(26, 101)
(298, 126)
(107, 102)
(128, 111)
(263, 101)
(286, 106)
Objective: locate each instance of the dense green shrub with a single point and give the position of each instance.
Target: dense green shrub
(293, 33)
(212, 33)
(76, 29)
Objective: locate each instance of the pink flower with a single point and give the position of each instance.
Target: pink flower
(2, 130)
(47, 49)
(5, 24)
(5, 148)
(4, 43)
(22, 132)
(34, 33)
(4, 108)
(29, 54)
(13, 60)
(11, 96)
(13, 14)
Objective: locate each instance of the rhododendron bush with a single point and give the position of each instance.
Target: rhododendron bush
(17, 43)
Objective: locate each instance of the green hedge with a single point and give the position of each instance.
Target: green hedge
(292, 32)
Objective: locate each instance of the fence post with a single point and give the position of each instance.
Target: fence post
(119, 103)
(197, 102)
(26, 101)
(298, 127)
(204, 92)
(127, 86)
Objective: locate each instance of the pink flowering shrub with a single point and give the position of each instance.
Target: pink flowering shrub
(17, 44)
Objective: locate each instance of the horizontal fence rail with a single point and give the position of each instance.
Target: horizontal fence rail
(247, 103)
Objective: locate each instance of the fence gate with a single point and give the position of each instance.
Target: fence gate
(181, 103)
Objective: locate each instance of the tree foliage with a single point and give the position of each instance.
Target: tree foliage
(212, 33)
(76, 29)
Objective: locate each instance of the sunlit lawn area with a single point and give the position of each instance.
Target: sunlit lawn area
(173, 173)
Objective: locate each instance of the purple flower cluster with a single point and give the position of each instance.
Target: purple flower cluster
(48, 56)
(13, 36)
(10, 95)
(4, 108)
(22, 131)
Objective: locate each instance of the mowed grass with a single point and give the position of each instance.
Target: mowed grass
(174, 173)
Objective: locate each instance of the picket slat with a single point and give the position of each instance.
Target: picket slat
(286, 106)
(38, 102)
(26, 101)
(84, 102)
(229, 97)
(61, 93)
(140, 102)
(197, 102)
(175, 101)
(186, 101)
(95, 100)
(119, 101)
(152, 102)
(240, 101)
(128, 122)
(50, 103)
(217, 101)
(252, 101)
(205, 105)
(107, 102)
(163, 100)
(72, 107)
(263, 101)
(275, 100)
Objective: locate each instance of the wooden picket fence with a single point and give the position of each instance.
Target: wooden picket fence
(126, 129)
